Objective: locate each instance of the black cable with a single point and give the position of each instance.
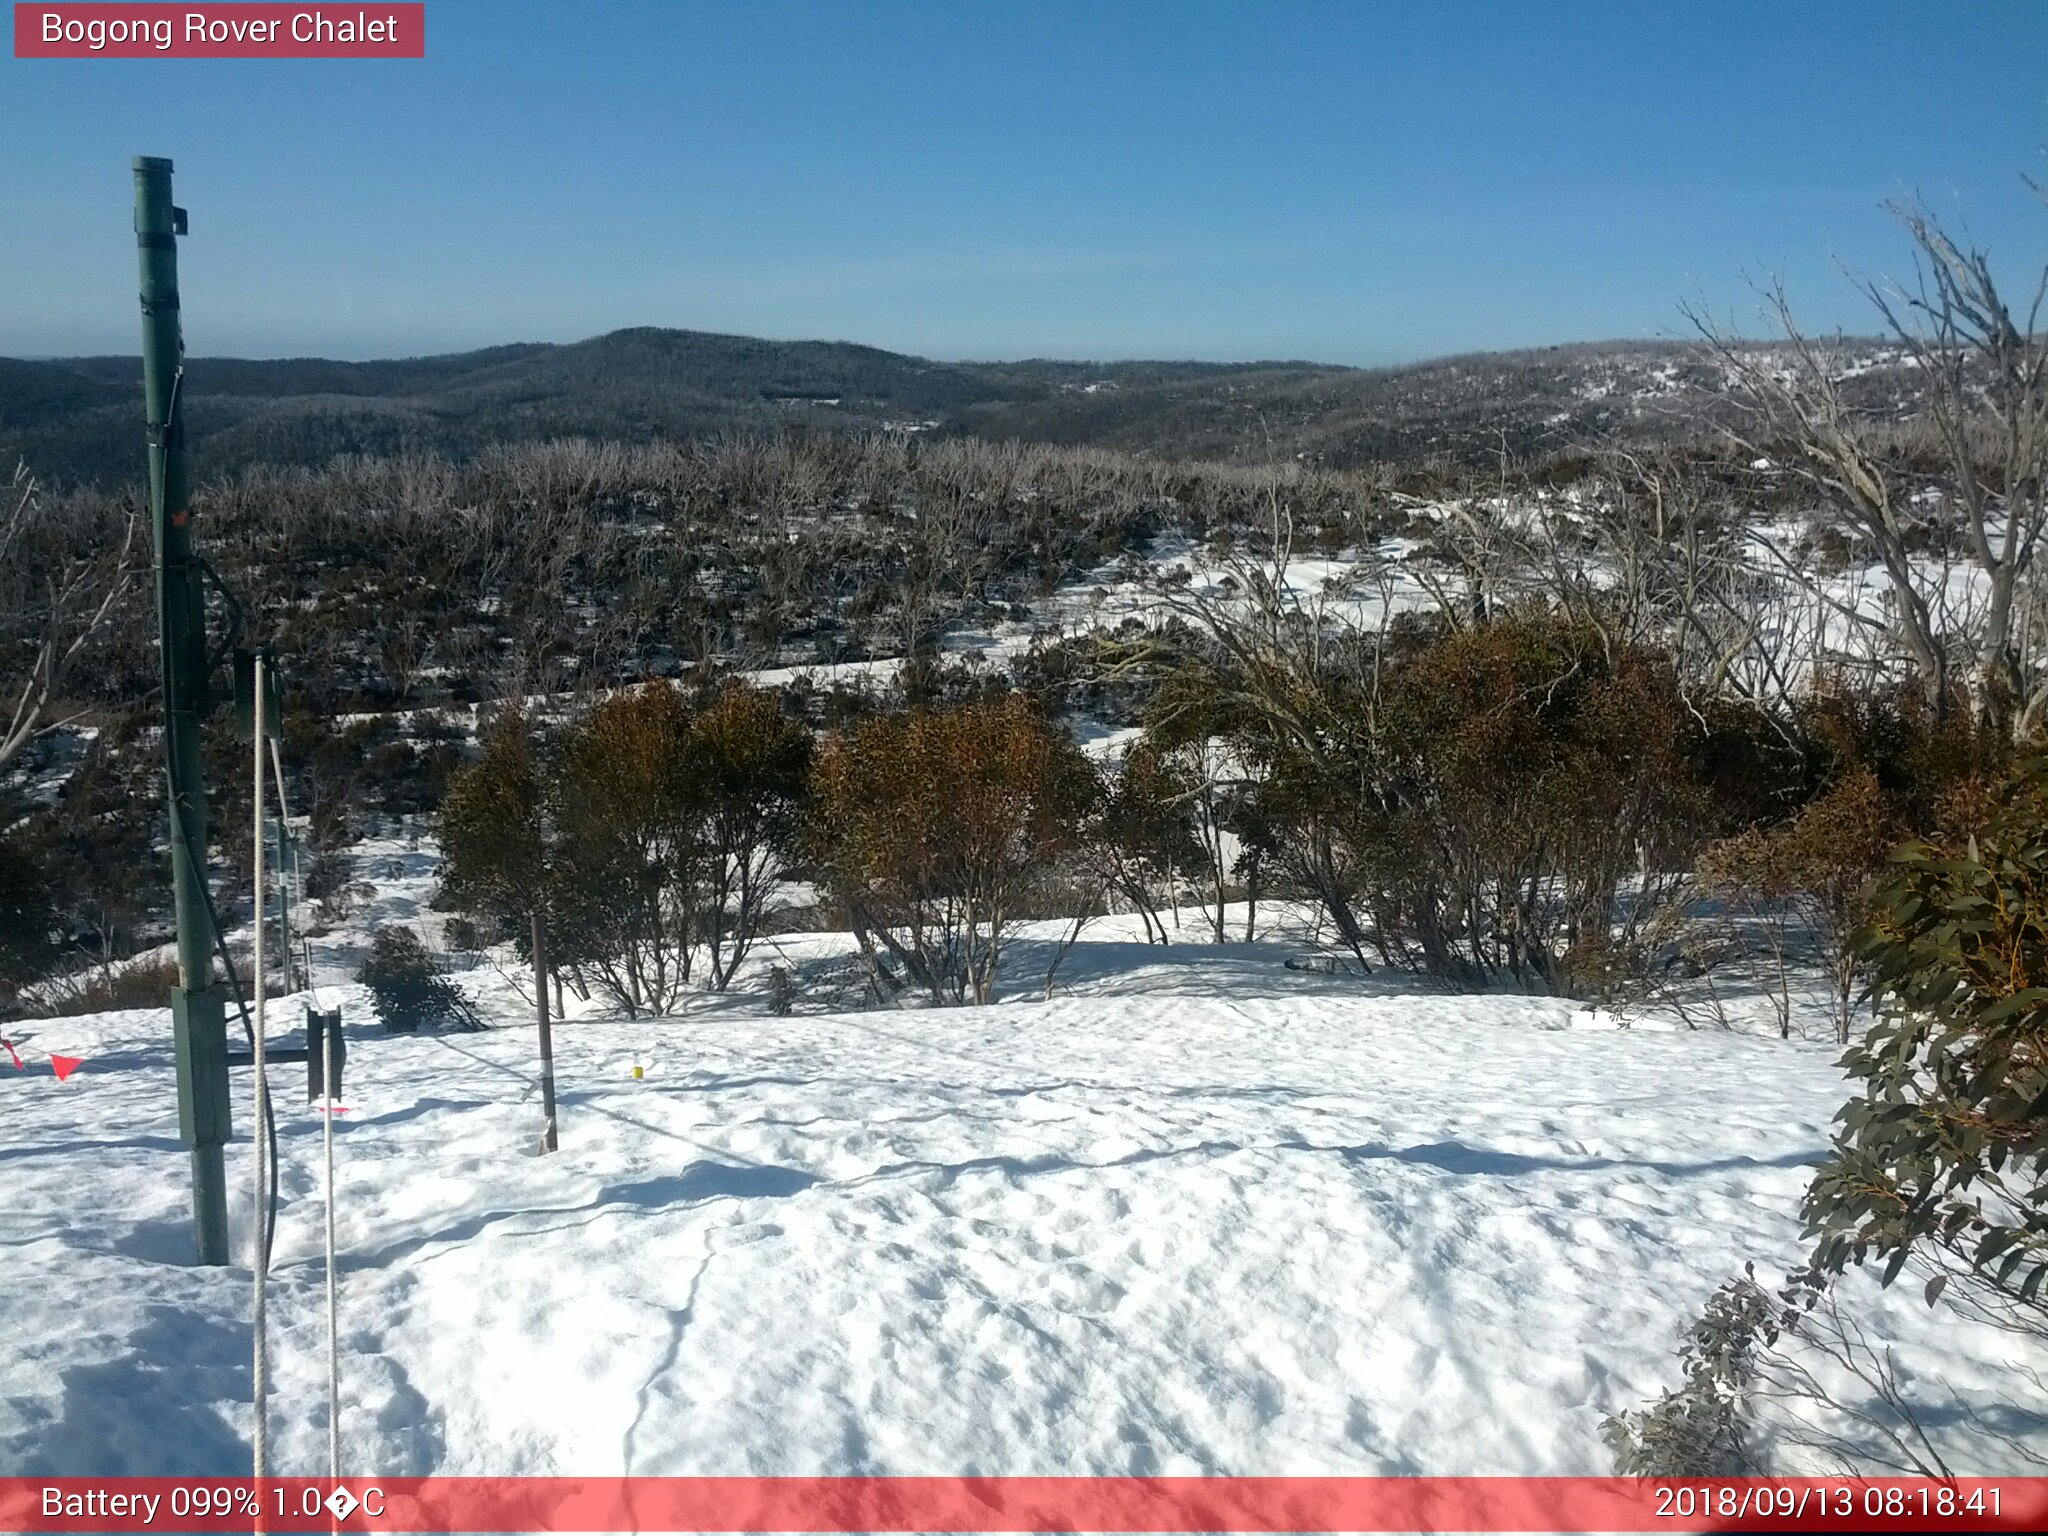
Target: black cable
(220, 945)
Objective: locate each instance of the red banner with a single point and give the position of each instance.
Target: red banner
(1113, 1504)
(242, 31)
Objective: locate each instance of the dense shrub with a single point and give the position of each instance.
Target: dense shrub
(651, 834)
(27, 920)
(933, 827)
(408, 988)
(618, 826)
(749, 771)
(99, 846)
(1872, 769)
(139, 983)
(1507, 801)
(329, 883)
(1535, 769)
(493, 864)
(1815, 867)
(1140, 836)
(1202, 775)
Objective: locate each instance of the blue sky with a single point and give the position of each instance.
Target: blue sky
(1360, 182)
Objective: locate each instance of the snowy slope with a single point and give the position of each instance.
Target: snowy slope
(1199, 1214)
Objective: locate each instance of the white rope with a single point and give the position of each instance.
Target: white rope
(259, 1366)
(329, 1044)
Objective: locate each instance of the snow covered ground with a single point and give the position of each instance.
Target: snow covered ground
(1197, 1213)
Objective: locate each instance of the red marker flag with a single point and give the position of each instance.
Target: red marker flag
(19, 1064)
(64, 1066)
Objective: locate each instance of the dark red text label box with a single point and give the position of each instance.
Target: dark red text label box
(99, 30)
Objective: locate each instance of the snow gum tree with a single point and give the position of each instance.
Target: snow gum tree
(750, 766)
(1875, 769)
(934, 828)
(493, 855)
(1944, 1149)
(652, 835)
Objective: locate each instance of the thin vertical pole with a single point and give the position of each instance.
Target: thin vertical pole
(327, 1082)
(260, 1234)
(547, 1036)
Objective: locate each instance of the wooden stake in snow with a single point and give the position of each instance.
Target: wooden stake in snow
(547, 1038)
(259, 1364)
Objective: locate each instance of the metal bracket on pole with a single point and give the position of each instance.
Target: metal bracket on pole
(245, 658)
(199, 1042)
(325, 1045)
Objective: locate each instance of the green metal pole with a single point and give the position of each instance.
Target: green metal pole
(198, 1007)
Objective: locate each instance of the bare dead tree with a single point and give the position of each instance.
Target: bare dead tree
(1298, 666)
(1794, 401)
(1983, 368)
(57, 591)
(1986, 374)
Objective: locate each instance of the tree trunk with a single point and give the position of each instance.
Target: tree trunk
(548, 1142)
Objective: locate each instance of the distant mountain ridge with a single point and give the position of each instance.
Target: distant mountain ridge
(79, 419)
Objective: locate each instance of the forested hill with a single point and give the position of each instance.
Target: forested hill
(78, 419)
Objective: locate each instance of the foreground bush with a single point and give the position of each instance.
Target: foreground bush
(1945, 1146)
(1941, 1161)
